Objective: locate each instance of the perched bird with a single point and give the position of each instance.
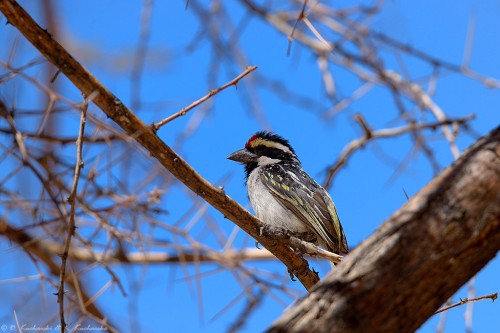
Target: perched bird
(284, 196)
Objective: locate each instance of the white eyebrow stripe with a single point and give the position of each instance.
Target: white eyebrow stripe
(282, 147)
(270, 144)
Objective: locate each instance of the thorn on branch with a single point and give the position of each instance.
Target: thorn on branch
(406, 195)
(466, 300)
(55, 76)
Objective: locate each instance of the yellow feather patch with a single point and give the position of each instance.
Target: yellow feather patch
(263, 142)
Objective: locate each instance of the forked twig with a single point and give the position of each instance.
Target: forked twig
(369, 134)
(299, 18)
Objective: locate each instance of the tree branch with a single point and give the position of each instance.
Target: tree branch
(466, 300)
(31, 246)
(369, 134)
(397, 278)
(147, 138)
(211, 93)
(72, 202)
(84, 254)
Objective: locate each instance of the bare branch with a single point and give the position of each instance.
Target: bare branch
(30, 245)
(369, 135)
(181, 256)
(421, 255)
(141, 53)
(466, 300)
(183, 112)
(71, 223)
(312, 249)
(145, 136)
(300, 17)
(135, 222)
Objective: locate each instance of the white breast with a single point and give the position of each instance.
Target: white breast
(268, 209)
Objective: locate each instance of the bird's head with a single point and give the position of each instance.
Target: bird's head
(264, 148)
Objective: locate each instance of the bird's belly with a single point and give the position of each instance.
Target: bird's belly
(269, 210)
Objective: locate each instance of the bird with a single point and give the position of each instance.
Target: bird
(284, 196)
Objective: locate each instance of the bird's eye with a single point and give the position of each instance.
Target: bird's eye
(259, 150)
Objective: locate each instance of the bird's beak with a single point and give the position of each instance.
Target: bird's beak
(243, 156)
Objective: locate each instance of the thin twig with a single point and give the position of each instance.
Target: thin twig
(299, 18)
(141, 54)
(423, 99)
(312, 249)
(493, 297)
(17, 322)
(362, 122)
(470, 306)
(317, 34)
(17, 135)
(211, 93)
(327, 77)
(368, 135)
(252, 303)
(469, 39)
(71, 200)
(39, 254)
(61, 139)
(442, 319)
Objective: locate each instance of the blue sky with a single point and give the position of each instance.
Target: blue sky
(103, 34)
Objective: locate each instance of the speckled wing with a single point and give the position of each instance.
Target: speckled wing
(298, 192)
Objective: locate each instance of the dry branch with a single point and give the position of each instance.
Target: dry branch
(147, 138)
(369, 134)
(31, 246)
(83, 254)
(396, 279)
(71, 223)
(211, 93)
(493, 297)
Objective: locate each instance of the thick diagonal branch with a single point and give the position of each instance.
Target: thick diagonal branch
(147, 138)
(396, 279)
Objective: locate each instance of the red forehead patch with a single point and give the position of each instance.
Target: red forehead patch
(249, 142)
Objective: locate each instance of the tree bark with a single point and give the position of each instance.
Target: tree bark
(396, 279)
